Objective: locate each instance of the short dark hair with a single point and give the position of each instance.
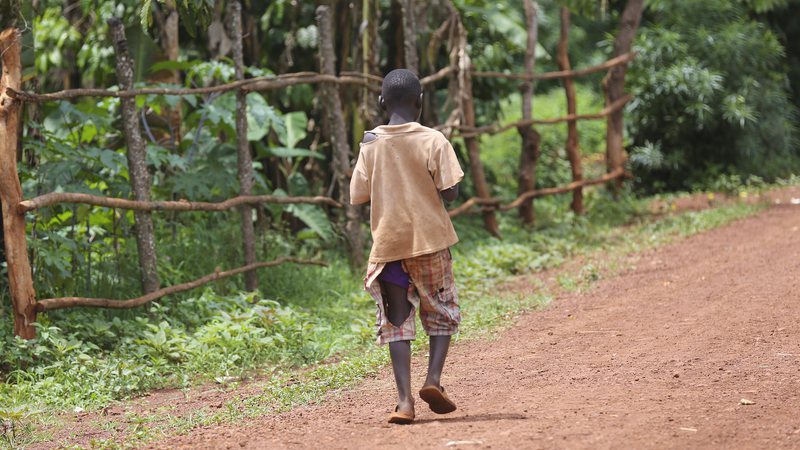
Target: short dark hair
(401, 87)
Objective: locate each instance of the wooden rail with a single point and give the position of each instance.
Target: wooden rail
(180, 205)
(51, 304)
(465, 131)
(621, 59)
(274, 82)
(497, 203)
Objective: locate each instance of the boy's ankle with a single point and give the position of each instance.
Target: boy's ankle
(406, 405)
(432, 383)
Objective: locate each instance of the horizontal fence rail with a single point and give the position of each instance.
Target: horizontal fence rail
(267, 83)
(51, 304)
(497, 203)
(178, 205)
(465, 131)
(621, 59)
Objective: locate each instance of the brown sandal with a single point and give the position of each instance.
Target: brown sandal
(400, 418)
(436, 398)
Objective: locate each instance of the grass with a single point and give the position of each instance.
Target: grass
(307, 339)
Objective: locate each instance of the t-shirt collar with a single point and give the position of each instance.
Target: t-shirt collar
(399, 128)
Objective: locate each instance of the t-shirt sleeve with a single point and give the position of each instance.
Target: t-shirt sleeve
(359, 183)
(444, 166)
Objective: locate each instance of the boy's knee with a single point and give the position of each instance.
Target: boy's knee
(398, 318)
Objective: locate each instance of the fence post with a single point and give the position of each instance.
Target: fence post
(614, 84)
(137, 159)
(529, 154)
(572, 145)
(245, 159)
(20, 281)
(468, 112)
(332, 105)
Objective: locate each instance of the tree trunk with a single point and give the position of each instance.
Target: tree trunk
(20, 281)
(332, 105)
(530, 138)
(170, 45)
(245, 165)
(372, 51)
(614, 84)
(467, 106)
(137, 160)
(572, 145)
(410, 57)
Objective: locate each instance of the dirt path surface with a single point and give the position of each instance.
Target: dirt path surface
(659, 356)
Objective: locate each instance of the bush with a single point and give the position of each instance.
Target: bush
(711, 97)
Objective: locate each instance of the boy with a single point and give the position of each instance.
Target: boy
(405, 170)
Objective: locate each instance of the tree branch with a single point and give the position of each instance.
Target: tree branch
(248, 85)
(611, 63)
(180, 205)
(495, 129)
(289, 79)
(51, 304)
(496, 203)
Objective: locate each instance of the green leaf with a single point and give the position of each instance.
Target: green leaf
(260, 117)
(298, 185)
(315, 218)
(145, 16)
(88, 132)
(296, 123)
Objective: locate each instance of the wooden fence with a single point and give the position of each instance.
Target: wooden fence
(461, 123)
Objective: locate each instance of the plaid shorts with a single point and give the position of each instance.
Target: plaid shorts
(432, 291)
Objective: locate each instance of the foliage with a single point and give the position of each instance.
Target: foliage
(710, 97)
(195, 14)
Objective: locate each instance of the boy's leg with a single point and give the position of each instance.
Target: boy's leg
(438, 353)
(398, 309)
(432, 275)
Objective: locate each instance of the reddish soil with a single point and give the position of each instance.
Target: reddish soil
(670, 353)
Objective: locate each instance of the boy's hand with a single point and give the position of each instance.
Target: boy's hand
(449, 194)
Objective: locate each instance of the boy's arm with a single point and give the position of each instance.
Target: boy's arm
(445, 170)
(360, 183)
(450, 194)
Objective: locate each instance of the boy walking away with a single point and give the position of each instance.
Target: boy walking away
(405, 170)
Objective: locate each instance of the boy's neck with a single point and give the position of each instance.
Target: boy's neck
(400, 116)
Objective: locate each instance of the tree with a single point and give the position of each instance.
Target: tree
(614, 83)
(23, 296)
(530, 138)
(139, 173)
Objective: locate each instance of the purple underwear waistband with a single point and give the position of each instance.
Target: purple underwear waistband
(393, 273)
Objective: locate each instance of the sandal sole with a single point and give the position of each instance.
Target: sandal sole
(437, 400)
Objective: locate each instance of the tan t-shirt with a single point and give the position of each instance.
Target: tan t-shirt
(401, 172)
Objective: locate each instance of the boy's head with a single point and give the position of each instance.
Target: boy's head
(401, 89)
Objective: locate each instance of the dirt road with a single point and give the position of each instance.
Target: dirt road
(662, 355)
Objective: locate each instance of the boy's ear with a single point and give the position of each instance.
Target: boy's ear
(382, 102)
(419, 100)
